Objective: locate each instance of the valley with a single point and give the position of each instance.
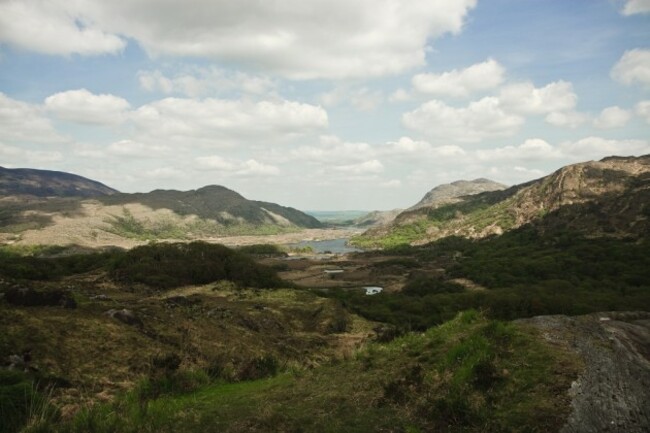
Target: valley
(479, 309)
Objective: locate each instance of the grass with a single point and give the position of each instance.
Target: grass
(24, 404)
(474, 214)
(468, 375)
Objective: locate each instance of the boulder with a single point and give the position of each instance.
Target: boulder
(125, 316)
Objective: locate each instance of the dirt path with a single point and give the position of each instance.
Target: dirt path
(613, 392)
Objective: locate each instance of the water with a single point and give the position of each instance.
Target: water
(336, 246)
(373, 290)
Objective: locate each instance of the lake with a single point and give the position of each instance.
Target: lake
(336, 246)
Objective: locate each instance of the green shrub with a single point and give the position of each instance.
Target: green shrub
(22, 403)
(166, 265)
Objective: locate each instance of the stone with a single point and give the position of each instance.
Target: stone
(125, 316)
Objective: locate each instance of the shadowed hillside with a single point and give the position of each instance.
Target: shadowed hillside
(46, 183)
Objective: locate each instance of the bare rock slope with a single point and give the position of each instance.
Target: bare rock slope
(613, 392)
(609, 197)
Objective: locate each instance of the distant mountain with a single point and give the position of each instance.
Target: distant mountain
(377, 218)
(45, 183)
(610, 197)
(355, 218)
(41, 207)
(448, 192)
(217, 203)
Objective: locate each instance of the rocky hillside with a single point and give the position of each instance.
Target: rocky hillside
(450, 192)
(45, 183)
(607, 197)
(377, 218)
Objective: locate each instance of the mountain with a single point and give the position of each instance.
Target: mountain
(46, 183)
(377, 218)
(449, 192)
(59, 208)
(217, 203)
(610, 197)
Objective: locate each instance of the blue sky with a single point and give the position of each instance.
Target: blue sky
(321, 104)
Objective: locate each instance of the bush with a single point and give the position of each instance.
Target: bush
(421, 285)
(259, 368)
(166, 265)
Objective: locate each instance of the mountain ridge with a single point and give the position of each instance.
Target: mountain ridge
(48, 183)
(60, 215)
(453, 190)
(606, 197)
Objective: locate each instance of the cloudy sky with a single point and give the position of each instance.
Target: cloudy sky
(321, 104)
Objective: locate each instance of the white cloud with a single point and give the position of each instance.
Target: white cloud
(400, 95)
(221, 122)
(566, 119)
(367, 167)
(164, 173)
(253, 168)
(227, 166)
(534, 149)
(54, 27)
(20, 121)
(529, 172)
(633, 67)
(408, 145)
(298, 39)
(331, 148)
(215, 162)
(636, 7)
(461, 83)
(479, 120)
(393, 183)
(407, 148)
(612, 117)
(363, 99)
(525, 98)
(130, 148)
(643, 109)
(83, 106)
(598, 148)
(205, 81)
(16, 156)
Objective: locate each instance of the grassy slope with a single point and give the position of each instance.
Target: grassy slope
(469, 374)
(476, 212)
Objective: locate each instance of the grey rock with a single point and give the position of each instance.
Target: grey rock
(125, 316)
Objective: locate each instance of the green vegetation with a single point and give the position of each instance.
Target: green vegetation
(526, 274)
(24, 404)
(160, 265)
(469, 375)
(14, 264)
(128, 226)
(166, 265)
(478, 212)
(262, 250)
(214, 203)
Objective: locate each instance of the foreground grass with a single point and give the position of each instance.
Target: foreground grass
(470, 374)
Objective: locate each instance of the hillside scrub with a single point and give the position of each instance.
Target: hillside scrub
(468, 375)
(166, 265)
(527, 273)
(159, 265)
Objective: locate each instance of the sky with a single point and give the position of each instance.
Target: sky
(321, 104)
